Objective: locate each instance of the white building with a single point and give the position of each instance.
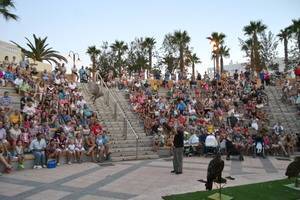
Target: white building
(10, 50)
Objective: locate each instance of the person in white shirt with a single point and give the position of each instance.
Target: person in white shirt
(81, 102)
(211, 144)
(254, 124)
(29, 109)
(72, 85)
(194, 139)
(38, 146)
(18, 81)
(211, 141)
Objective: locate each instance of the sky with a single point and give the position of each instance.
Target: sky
(75, 25)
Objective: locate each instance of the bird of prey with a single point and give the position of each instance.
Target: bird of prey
(95, 90)
(293, 169)
(214, 172)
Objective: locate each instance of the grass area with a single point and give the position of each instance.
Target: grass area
(273, 190)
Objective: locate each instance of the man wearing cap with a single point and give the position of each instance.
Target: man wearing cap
(178, 150)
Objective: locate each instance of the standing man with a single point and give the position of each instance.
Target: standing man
(178, 150)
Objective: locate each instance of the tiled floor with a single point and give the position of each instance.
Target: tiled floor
(147, 180)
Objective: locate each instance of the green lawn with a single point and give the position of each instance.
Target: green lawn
(273, 190)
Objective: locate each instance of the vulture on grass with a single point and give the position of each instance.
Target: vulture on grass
(293, 169)
(95, 90)
(214, 172)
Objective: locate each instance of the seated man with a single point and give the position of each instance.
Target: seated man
(5, 101)
(211, 144)
(37, 147)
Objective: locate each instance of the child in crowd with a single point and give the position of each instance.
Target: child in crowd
(91, 146)
(20, 154)
(71, 151)
(79, 149)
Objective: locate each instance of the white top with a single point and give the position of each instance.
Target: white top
(194, 139)
(71, 147)
(211, 141)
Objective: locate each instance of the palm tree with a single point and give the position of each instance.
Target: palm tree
(39, 51)
(247, 47)
(284, 36)
(224, 53)
(217, 39)
(120, 48)
(181, 40)
(295, 28)
(93, 53)
(149, 43)
(194, 60)
(5, 7)
(252, 30)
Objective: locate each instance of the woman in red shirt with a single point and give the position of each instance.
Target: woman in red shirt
(96, 128)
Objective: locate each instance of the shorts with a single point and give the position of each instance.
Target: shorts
(79, 149)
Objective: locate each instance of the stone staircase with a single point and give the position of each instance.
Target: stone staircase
(281, 112)
(121, 148)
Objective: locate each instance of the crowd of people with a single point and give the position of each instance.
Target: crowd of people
(225, 114)
(53, 120)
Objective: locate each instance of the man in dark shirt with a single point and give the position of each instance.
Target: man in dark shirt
(178, 151)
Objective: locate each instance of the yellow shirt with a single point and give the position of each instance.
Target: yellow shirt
(210, 128)
(15, 119)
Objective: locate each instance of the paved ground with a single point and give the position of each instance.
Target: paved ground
(149, 179)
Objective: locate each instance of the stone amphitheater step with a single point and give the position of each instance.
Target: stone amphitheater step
(140, 157)
(121, 149)
(281, 112)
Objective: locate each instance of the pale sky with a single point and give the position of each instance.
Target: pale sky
(75, 25)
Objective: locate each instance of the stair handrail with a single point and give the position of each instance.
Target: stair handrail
(118, 105)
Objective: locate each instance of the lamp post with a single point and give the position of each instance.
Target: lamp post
(74, 54)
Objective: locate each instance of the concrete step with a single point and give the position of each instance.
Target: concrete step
(131, 153)
(140, 157)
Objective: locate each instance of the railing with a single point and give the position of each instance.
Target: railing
(110, 98)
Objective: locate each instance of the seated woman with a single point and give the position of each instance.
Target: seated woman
(52, 151)
(90, 146)
(232, 150)
(4, 158)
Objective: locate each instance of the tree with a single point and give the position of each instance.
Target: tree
(119, 48)
(194, 60)
(5, 9)
(247, 47)
(137, 56)
(39, 51)
(148, 44)
(284, 36)
(252, 30)
(224, 53)
(93, 53)
(170, 62)
(217, 39)
(295, 29)
(178, 43)
(268, 46)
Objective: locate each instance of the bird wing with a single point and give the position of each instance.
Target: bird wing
(211, 170)
(293, 169)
